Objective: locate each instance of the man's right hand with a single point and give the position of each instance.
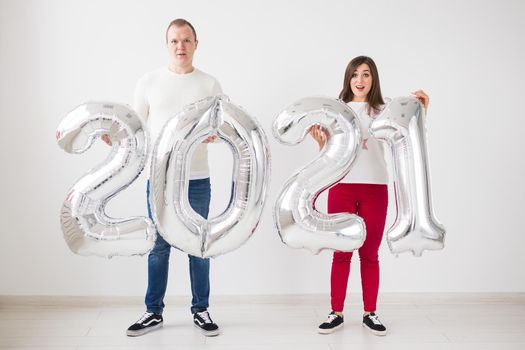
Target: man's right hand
(106, 139)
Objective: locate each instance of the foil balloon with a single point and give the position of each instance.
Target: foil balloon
(87, 229)
(176, 221)
(401, 125)
(299, 224)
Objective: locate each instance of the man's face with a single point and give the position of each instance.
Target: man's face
(181, 45)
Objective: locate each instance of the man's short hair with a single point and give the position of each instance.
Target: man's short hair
(180, 22)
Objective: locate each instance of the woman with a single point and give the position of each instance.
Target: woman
(363, 192)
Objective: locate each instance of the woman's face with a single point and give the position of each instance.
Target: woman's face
(361, 83)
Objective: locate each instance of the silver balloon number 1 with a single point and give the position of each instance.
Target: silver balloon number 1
(176, 221)
(86, 227)
(299, 224)
(401, 126)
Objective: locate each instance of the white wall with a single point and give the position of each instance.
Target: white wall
(467, 55)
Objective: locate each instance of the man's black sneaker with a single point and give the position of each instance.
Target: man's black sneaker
(203, 321)
(333, 323)
(147, 323)
(371, 321)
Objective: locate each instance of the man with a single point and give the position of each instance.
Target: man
(159, 95)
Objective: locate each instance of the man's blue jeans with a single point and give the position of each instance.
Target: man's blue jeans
(158, 259)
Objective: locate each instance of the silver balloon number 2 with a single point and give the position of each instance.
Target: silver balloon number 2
(176, 221)
(401, 125)
(299, 224)
(86, 227)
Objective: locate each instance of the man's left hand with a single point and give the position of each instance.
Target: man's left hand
(210, 139)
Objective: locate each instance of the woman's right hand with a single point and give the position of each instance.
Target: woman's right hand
(106, 139)
(319, 134)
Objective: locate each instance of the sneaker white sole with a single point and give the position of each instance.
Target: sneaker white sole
(143, 331)
(208, 333)
(331, 330)
(373, 331)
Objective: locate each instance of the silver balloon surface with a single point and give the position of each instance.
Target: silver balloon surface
(402, 126)
(299, 224)
(87, 229)
(176, 221)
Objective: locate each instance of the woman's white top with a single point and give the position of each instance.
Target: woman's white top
(369, 166)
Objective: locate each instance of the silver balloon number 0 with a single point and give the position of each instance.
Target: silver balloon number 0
(401, 125)
(299, 224)
(176, 221)
(86, 227)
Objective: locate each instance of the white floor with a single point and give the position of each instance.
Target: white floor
(415, 321)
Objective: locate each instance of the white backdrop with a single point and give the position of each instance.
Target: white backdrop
(467, 55)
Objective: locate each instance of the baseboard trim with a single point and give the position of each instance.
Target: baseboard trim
(10, 301)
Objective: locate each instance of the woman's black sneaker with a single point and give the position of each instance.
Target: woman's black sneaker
(333, 323)
(371, 321)
(203, 321)
(147, 323)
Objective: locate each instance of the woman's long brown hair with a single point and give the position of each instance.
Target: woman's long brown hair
(374, 97)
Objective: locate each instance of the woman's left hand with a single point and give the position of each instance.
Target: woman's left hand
(422, 97)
